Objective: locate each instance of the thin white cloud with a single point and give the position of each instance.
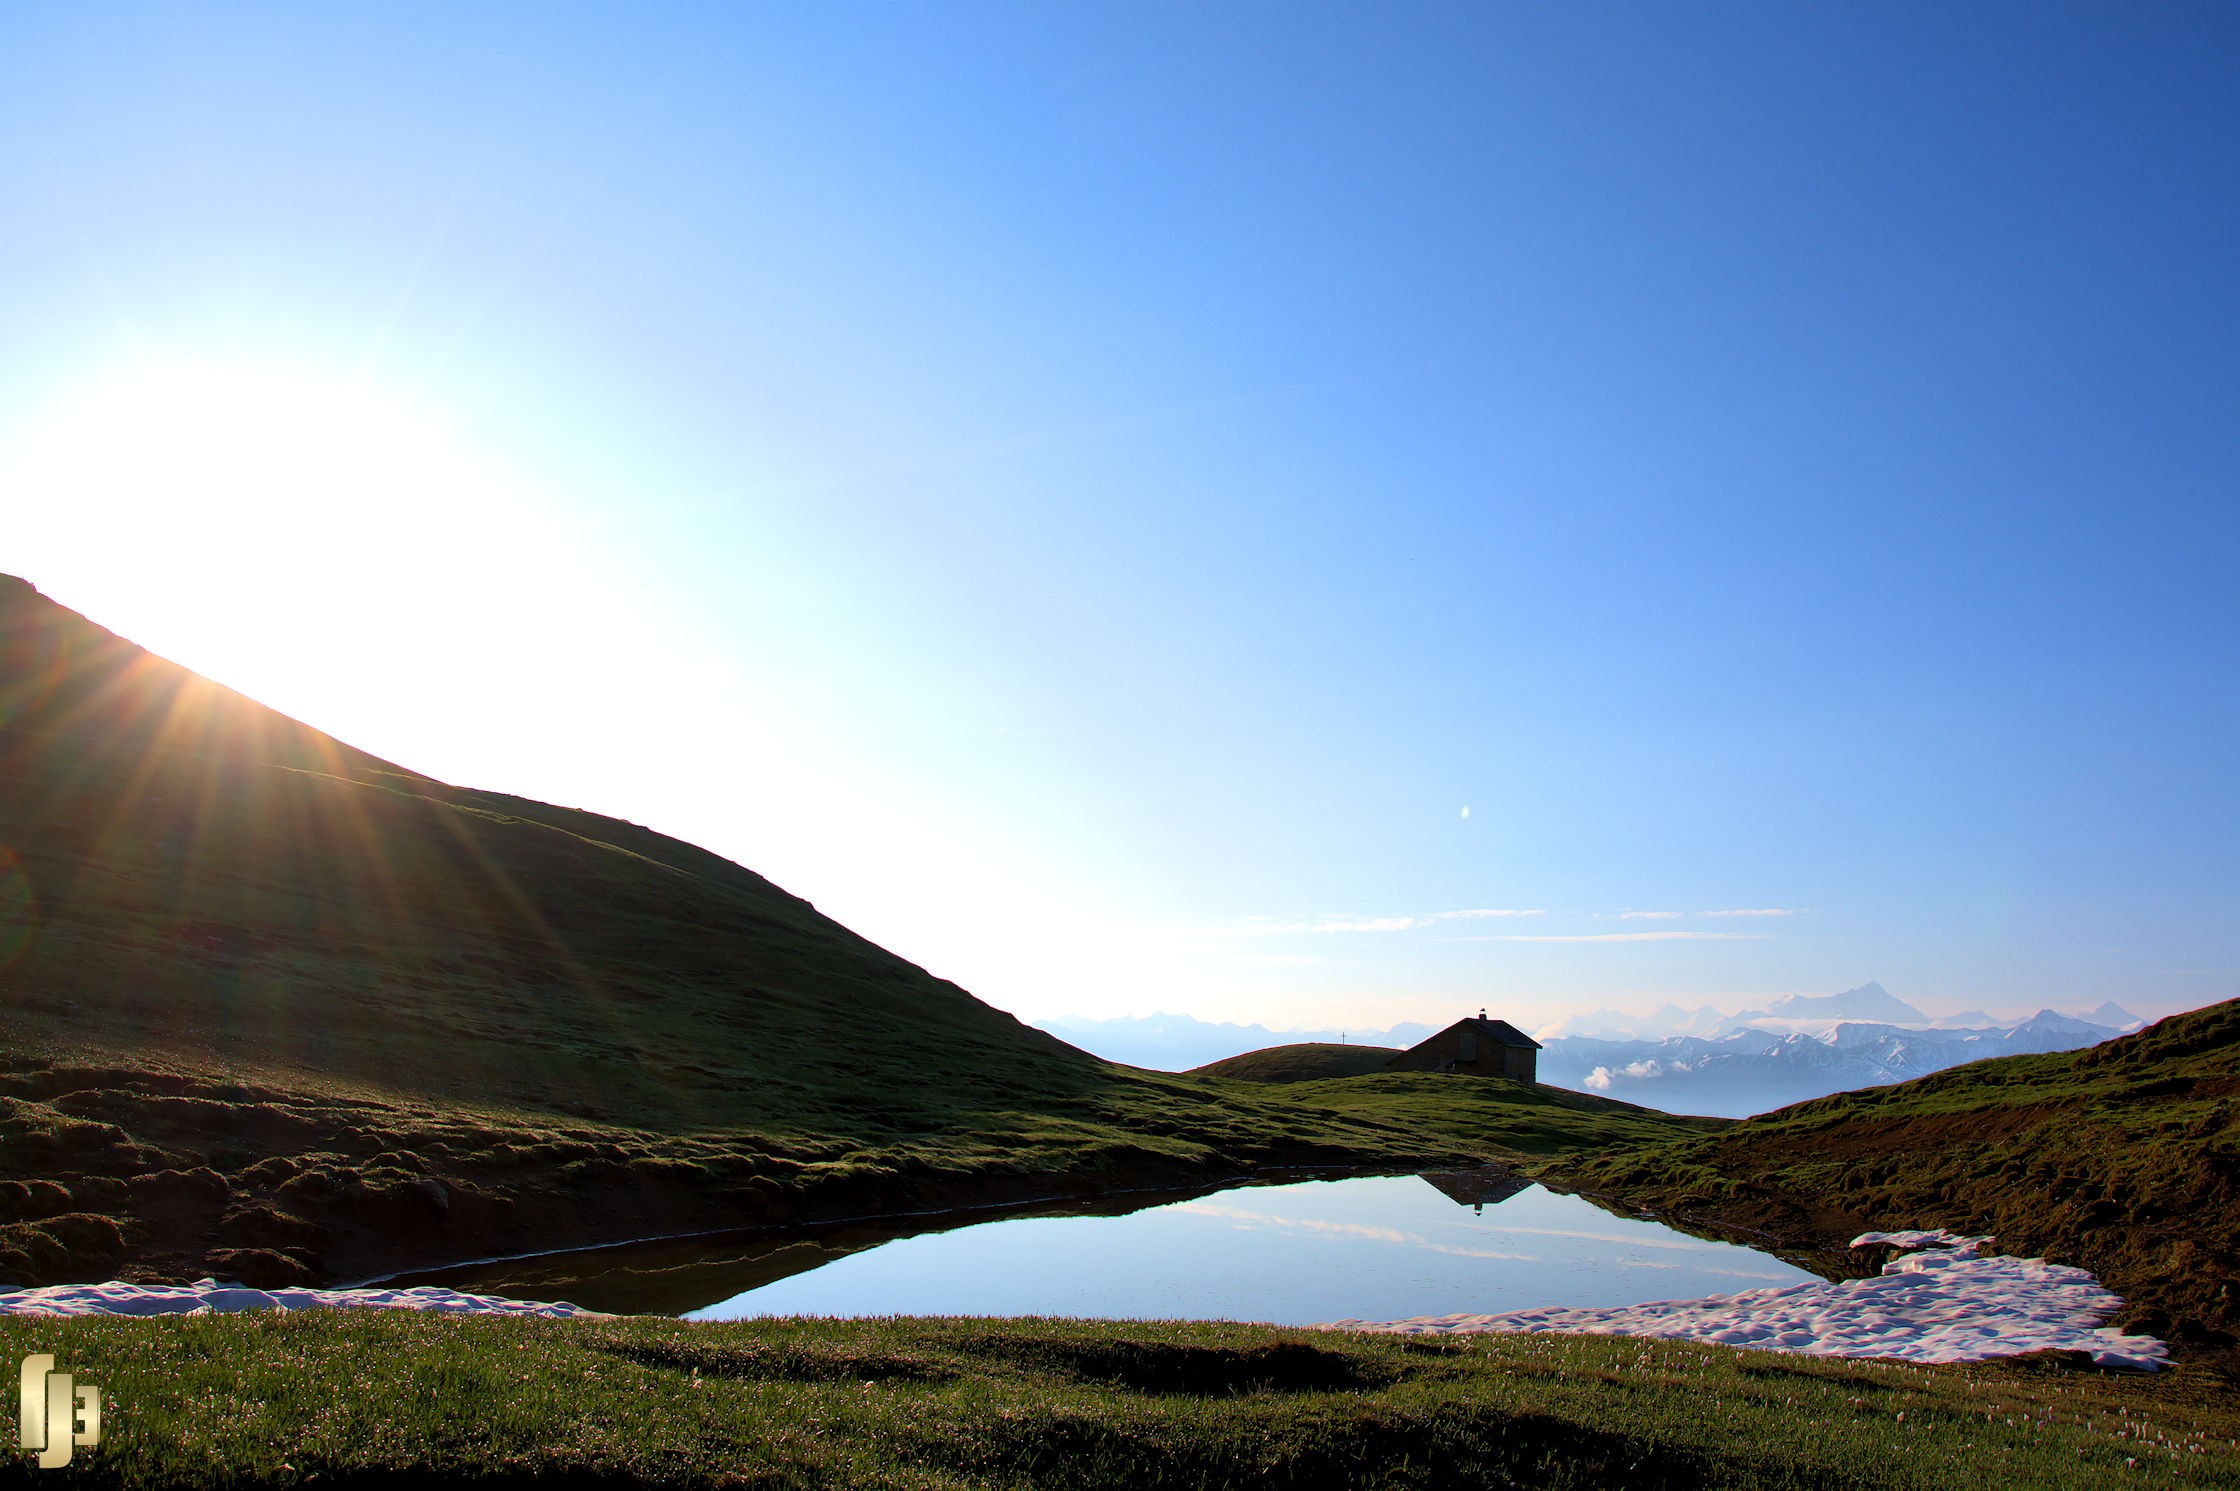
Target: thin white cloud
(1298, 925)
(1764, 911)
(1627, 937)
(1673, 1244)
(1650, 916)
(1740, 1273)
(1461, 1252)
(1368, 923)
(1245, 1218)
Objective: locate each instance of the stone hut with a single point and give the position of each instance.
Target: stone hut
(1482, 1047)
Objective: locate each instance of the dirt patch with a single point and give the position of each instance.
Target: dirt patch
(779, 1363)
(1204, 1371)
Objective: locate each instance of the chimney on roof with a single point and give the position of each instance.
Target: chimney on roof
(1481, 1012)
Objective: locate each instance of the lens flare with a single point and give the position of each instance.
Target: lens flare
(19, 909)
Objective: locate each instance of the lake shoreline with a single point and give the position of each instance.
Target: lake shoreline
(113, 1169)
(979, 1211)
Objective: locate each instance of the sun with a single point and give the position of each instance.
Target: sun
(306, 534)
(242, 475)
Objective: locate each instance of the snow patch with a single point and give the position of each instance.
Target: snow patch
(1949, 1303)
(208, 1296)
(1914, 1241)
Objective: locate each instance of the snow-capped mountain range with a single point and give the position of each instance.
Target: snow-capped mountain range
(1868, 1002)
(1765, 1062)
(1684, 1061)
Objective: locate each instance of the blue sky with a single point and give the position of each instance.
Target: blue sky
(1089, 495)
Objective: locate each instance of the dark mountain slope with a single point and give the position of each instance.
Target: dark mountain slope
(2124, 1159)
(274, 1008)
(193, 872)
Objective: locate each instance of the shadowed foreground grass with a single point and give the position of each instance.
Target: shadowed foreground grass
(341, 1396)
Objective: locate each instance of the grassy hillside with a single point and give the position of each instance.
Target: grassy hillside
(1308, 1061)
(193, 874)
(2124, 1159)
(273, 1008)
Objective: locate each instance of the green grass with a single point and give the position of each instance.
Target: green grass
(2123, 1159)
(1307, 1061)
(1516, 1119)
(325, 1397)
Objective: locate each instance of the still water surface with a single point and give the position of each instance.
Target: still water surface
(1379, 1248)
(1375, 1248)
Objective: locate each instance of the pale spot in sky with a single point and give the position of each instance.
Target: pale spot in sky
(1466, 810)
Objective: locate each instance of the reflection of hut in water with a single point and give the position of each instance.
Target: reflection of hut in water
(1477, 1189)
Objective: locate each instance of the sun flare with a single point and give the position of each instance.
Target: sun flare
(321, 541)
(256, 482)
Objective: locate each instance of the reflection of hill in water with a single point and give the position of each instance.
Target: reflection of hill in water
(676, 1276)
(1291, 1250)
(1488, 1186)
(1829, 1261)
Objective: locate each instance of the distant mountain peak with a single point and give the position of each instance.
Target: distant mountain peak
(1965, 1020)
(2112, 1015)
(1869, 1001)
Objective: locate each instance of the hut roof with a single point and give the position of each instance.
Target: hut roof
(1502, 1031)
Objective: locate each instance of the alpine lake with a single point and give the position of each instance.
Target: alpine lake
(1296, 1252)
